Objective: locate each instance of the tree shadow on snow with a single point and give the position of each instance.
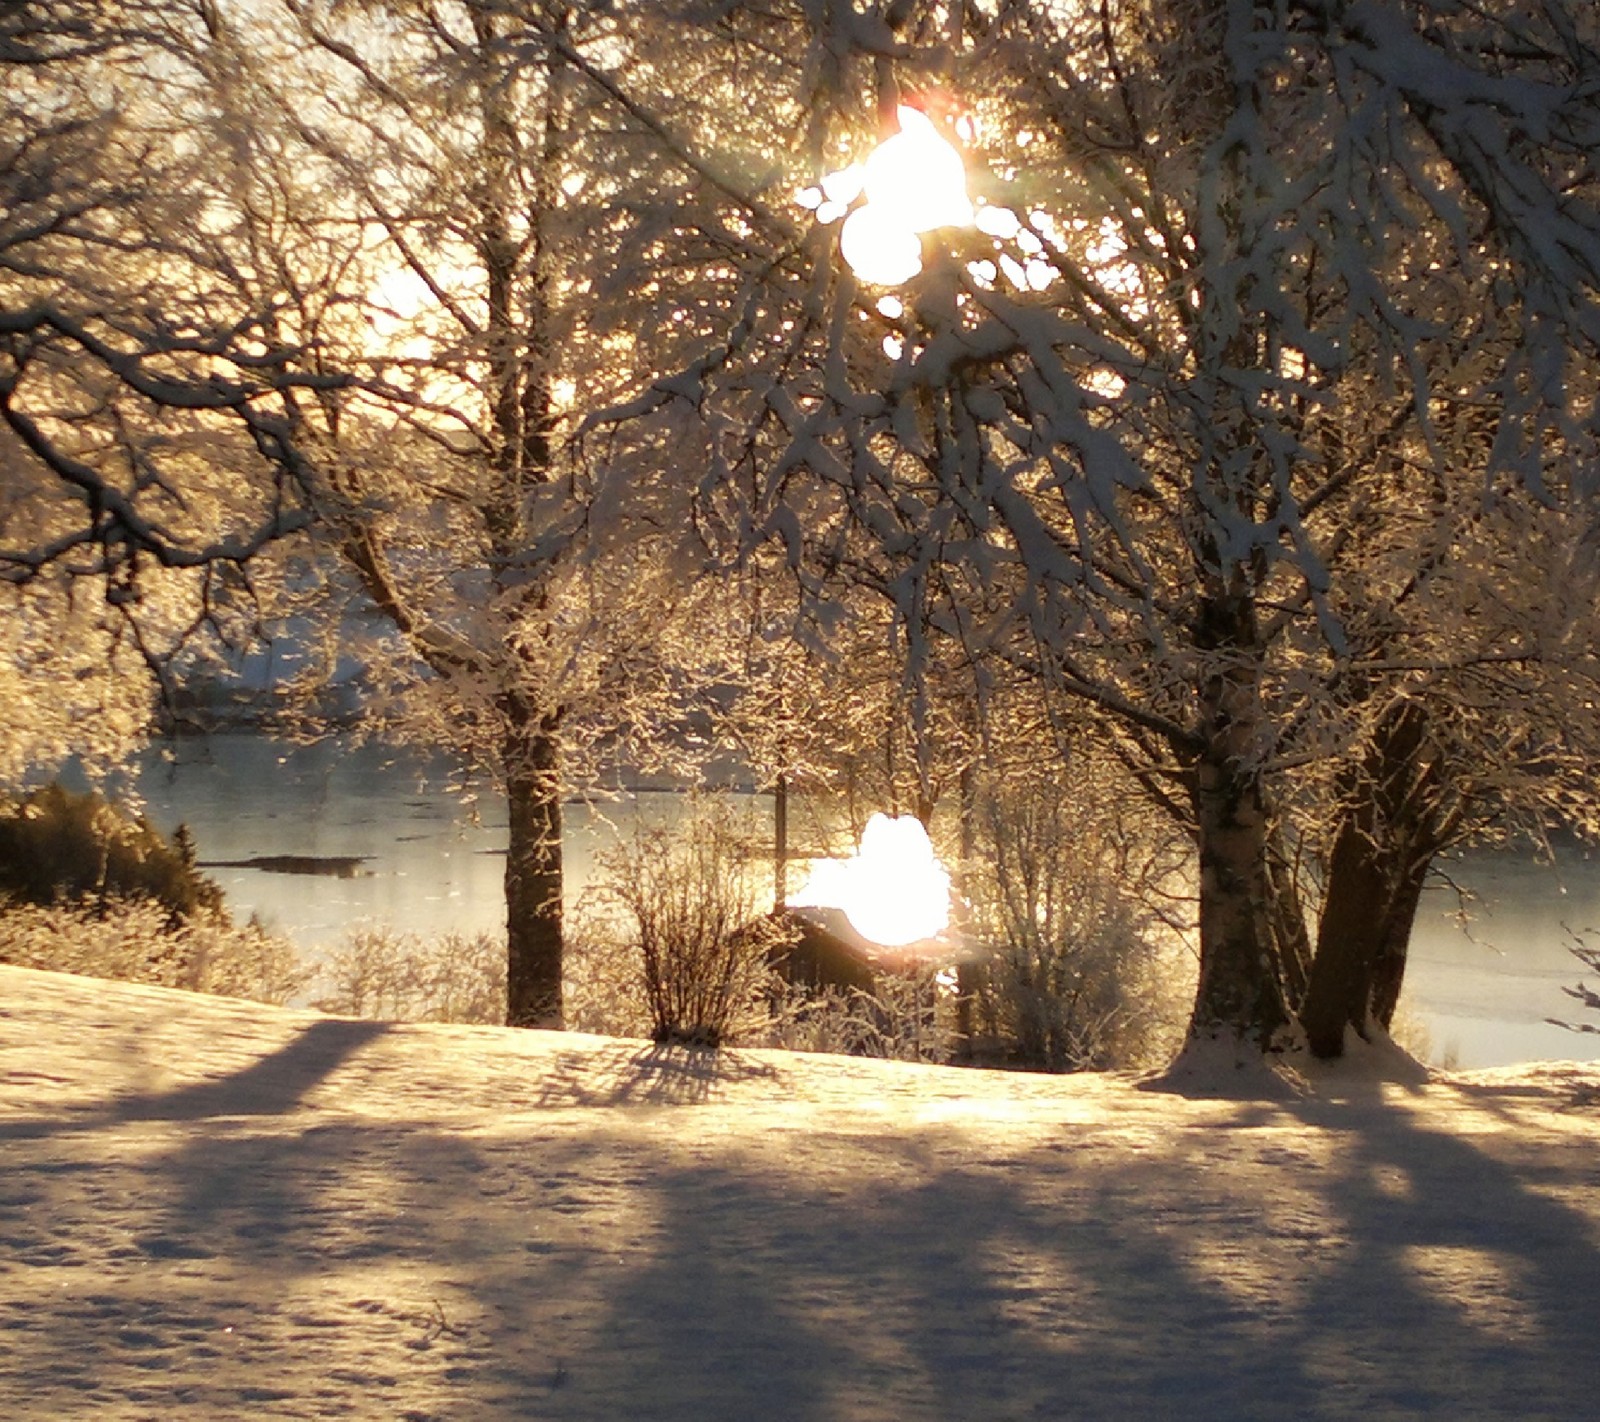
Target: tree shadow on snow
(1320, 1259)
(1413, 1274)
(274, 1084)
(1456, 1243)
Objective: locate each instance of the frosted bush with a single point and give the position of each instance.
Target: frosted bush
(603, 988)
(1080, 967)
(388, 976)
(138, 940)
(686, 903)
(91, 889)
(903, 1018)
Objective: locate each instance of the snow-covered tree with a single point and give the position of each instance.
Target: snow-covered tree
(1259, 305)
(475, 207)
(145, 408)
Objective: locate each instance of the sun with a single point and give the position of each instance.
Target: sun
(918, 177)
(913, 182)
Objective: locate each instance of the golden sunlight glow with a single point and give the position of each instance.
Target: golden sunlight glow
(914, 182)
(408, 328)
(918, 176)
(893, 890)
(1107, 256)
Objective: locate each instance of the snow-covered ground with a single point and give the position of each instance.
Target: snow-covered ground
(211, 1209)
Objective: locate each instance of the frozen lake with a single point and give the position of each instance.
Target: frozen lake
(1482, 990)
(434, 857)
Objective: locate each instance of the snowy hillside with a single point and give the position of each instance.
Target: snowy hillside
(210, 1209)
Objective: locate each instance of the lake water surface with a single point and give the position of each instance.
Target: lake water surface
(433, 858)
(1482, 990)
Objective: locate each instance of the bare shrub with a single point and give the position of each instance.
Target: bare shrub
(899, 1020)
(1080, 966)
(382, 974)
(136, 940)
(685, 901)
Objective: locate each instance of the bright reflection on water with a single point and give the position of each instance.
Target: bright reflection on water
(1482, 993)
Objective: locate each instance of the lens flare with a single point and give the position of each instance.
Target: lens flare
(893, 890)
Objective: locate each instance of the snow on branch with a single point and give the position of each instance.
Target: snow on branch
(119, 516)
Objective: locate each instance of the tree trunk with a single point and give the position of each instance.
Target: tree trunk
(1349, 935)
(533, 870)
(1363, 936)
(1389, 975)
(968, 978)
(1240, 993)
(1291, 938)
(1385, 840)
(780, 843)
(519, 357)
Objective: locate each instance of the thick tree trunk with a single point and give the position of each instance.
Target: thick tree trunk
(968, 976)
(1363, 936)
(513, 186)
(1349, 934)
(1240, 990)
(533, 872)
(1389, 976)
(1385, 840)
(1239, 994)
